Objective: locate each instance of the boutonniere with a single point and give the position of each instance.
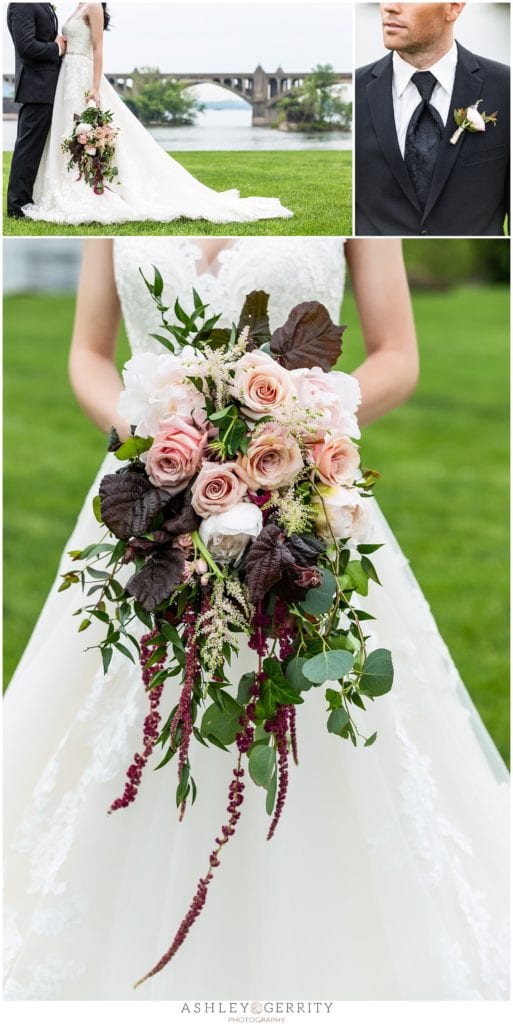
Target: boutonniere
(469, 119)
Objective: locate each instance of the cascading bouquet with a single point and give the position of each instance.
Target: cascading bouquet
(92, 146)
(241, 504)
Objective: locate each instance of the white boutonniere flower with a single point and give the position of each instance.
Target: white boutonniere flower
(469, 119)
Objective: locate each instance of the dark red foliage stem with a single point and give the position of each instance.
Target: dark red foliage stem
(183, 712)
(279, 726)
(151, 722)
(235, 799)
(293, 733)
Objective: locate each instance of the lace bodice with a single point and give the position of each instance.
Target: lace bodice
(291, 270)
(78, 36)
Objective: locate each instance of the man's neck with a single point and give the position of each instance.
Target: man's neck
(425, 58)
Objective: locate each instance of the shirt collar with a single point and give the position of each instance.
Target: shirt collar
(444, 71)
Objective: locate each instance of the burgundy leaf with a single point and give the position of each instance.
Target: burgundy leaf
(129, 503)
(266, 562)
(255, 316)
(305, 548)
(308, 338)
(158, 578)
(186, 520)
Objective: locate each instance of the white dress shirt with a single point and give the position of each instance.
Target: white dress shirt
(406, 96)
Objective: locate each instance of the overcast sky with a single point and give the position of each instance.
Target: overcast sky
(217, 36)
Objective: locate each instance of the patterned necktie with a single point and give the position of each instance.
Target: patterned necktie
(423, 137)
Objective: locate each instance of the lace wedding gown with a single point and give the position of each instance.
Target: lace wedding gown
(388, 874)
(150, 185)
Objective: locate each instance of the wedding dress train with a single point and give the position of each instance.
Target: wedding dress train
(388, 874)
(150, 184)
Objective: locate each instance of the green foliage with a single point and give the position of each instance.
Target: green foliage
(316, 186)
(316, 105)
(158, 100)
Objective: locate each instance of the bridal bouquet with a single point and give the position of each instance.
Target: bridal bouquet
(92, 147)
(242, 508)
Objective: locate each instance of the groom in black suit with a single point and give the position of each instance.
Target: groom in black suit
(410, 179)
(38, 49)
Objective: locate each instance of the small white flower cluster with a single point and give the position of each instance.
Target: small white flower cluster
(213, 626)
(293, 515)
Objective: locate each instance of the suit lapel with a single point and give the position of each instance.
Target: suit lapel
(468, 87)
(379, 96)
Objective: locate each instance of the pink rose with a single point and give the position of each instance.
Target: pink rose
(217, 487)
(261, 385)
(272, 460)
(175, 454)
(82, 139)
(337, 460)
(334, 395)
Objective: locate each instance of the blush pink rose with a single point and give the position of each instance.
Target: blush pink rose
(336, 459)
(262, 385)
(175, 454)
(217, 488)
(335, 396)
(82, 139)
(272, 460)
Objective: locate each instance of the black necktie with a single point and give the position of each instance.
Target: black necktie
(423, 137)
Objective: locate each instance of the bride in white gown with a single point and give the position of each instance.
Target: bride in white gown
(150, 185)
(388, 875)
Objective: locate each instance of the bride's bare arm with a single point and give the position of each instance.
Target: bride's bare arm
(94, 15)
(389, 374)
(92, 369)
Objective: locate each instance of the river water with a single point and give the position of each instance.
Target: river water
(226, 130)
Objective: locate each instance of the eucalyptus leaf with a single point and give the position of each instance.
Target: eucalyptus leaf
(271, 793)
(378, 673)
(337, 721)
(328, 665)
(320, 599)
(261, 764)
(295, 676)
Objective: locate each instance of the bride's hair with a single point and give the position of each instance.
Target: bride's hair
(106, 17)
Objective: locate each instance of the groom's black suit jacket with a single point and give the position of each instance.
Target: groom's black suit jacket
(469, 192)
(33, 28)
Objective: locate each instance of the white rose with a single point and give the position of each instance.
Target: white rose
(155, 387)
(476, 119)
(345, 511)
(83, 128)
(90, 150)
(226, 536)
(334, 395)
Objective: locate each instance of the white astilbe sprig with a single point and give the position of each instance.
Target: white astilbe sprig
(293, 514)
(219, 366)
(302, 424)
(230, 607)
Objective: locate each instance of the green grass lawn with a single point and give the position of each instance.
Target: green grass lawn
(315, 185)
(443, 459)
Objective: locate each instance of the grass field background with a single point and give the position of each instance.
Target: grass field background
(443, 459)
(315, 185)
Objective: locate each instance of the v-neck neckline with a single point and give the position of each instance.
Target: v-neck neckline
(214, 268)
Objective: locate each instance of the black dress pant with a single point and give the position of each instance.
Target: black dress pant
(33, 126)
